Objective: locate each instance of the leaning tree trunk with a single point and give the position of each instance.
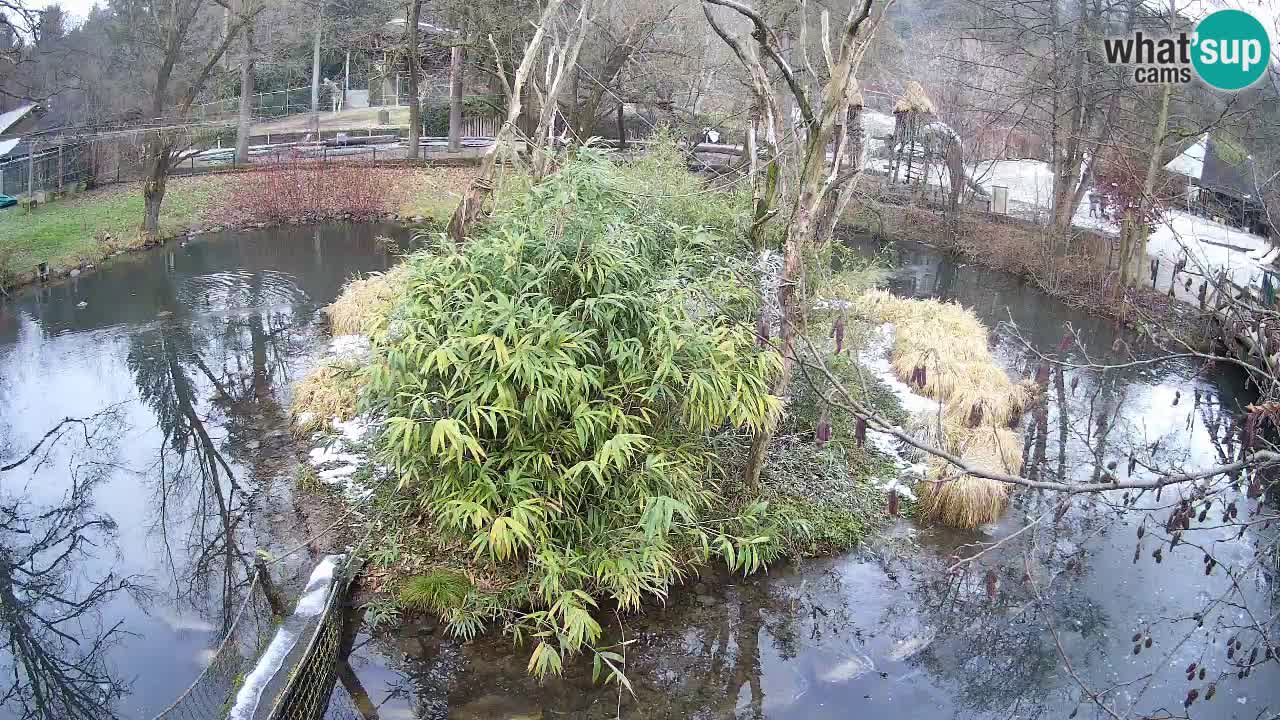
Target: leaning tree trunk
(558, 66)
(156, 153)
(813, 187)
(471, 208)
(1138, 247)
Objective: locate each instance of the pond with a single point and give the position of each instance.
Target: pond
(180, 360)
(136, 526)
(888, 631)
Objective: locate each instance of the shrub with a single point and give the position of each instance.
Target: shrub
(8, 268)
(310, 190)
(660, 178)
(550, 393)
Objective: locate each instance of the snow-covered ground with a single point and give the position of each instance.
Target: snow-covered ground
(876, 126)
(1208, 246)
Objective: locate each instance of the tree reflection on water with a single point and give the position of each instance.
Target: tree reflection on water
(53, 635)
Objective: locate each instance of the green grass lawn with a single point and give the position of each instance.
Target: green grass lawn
(71, 231)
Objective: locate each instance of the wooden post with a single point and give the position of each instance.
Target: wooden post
(60, 172)
(268, 586)
(31, 171)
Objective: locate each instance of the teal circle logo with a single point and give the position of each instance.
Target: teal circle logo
(1231, 50)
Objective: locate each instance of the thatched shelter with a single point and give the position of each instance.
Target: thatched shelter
(912, 111)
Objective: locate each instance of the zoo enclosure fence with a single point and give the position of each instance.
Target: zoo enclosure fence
(78, 165)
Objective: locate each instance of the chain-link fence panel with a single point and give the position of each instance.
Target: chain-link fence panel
(307, 694)
(211, 695)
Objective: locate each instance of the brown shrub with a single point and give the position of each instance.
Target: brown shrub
(308, 190)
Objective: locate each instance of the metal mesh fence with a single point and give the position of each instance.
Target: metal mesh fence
(310, 682)
(211, 695)
(274, 104)
(48, 169)
(306, 697)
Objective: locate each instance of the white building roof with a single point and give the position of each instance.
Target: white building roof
(11, 118)
(1191, 161)
(7, 145)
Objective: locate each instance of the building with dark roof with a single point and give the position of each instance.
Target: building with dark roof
(1222, 183)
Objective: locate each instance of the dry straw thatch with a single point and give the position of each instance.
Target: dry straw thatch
(913, 100)
(855, 96)
(979, 403)
(363, 306)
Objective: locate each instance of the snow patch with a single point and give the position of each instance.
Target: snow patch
(286, 638)
(1191, 162)
(353, 347)
(8, 119)
(1209, 248)
(875, 357)
(340, 457)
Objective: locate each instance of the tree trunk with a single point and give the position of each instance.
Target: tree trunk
(471, 208)
(622, 126)
(456, 60)
(1138, 249)
(156, 152)
(415, 107)
(559, 64)
(315, 78)
(245, 124)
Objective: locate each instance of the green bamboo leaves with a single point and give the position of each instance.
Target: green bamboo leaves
(551, 390)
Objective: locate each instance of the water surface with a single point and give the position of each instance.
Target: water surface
(888, 631)
(131, 537)
(180, 359)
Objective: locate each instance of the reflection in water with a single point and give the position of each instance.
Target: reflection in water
(52, 628)
(195, 347)
(1029, 629)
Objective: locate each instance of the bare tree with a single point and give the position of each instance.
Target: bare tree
(821, 115)
(248, 59)
(178, 47)
(51, 627)
(472, 206)
(413, 17)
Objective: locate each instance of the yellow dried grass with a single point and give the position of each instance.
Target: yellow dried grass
(363, 306)
(950, 343)
(325, 393)
(965, 501)
(978, 399)
(962, 501)
(913, 99)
